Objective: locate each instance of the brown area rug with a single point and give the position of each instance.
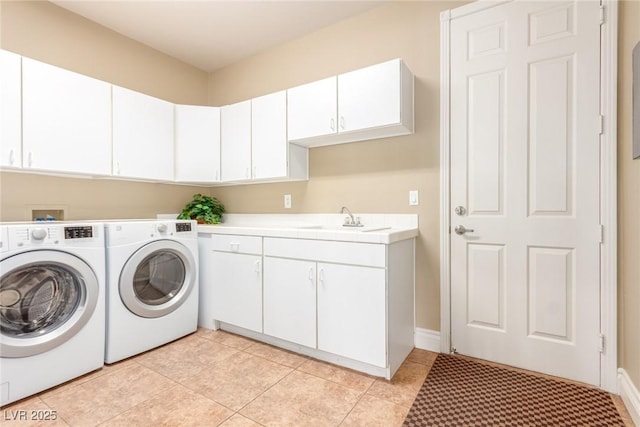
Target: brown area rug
(461, 392)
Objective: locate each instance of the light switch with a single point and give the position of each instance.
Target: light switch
(287, 201)
(413, 198)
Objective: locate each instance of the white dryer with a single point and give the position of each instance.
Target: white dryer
(52, 305)
(152, 284)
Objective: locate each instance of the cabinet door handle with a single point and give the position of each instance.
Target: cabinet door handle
(246, 173)
(117, 168)
(321, 275)
(30, 159)
(257, 269)
(342, 122)
(333, 124)
(311, 274)
(217, 174)
(11, 157)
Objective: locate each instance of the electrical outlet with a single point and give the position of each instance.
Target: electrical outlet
(413, 198)
(287, 201)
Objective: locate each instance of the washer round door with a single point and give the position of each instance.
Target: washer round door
(46, 297)
(157, 279)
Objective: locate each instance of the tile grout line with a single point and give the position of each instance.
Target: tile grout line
(175, 383)
(356, 404)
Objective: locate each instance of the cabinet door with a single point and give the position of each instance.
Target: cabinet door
(237, 289)
(66, 120)
(312, 109)
(235, 139)
(369, 97)
(10, 109)
(269, 136)
(197, 143)
(142, 136)
(290, 300)
(351, 312)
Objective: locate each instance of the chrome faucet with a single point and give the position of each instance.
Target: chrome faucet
(350, 221)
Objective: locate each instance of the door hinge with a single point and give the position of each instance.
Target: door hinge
(601, 233)
(601, 125)
(601, 343)
(602, 15)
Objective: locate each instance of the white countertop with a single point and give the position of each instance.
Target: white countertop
(378, 228)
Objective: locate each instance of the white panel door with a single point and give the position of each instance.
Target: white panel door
(10, 109)
(369, 97)
(290, 300)
(143, 128)
(235, 140)
(66, 120)
(524, 181)
(269, 145)
(237, 287)
(312, 109)
(349, 324)
(197, 143)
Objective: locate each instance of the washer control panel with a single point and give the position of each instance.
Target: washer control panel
(183, 226)
(81, 232)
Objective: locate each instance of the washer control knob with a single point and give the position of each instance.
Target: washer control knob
(162, 228)
(39, 233)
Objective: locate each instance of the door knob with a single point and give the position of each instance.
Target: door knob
(460, 210)
(461, 229)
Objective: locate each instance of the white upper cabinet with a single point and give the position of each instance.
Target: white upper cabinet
(66, 120)
(372, 102)
(272, 156)
(312, 109)
(372, 97)
(143, 128)
(197, 144)
(10, 110)
(269, 136)
(235, 140)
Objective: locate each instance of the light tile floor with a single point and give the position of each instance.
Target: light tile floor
(213, 378)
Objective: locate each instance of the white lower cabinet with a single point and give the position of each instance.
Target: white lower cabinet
(235, 281)
(346, 323)
(351, 312)
(290, 300)
(344, 302)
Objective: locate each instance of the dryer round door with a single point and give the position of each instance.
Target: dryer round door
(157, 279)
(46, 297)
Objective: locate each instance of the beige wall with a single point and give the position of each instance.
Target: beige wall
(43, 31)
(48, 33)
(628, 201)
(372, 176)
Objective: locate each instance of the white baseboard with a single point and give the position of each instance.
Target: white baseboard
(630, 395)
(426, 339)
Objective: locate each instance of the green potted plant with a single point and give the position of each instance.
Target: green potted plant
(204, 209)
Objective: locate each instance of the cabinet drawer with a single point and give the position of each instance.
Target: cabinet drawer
(366, 254)
(239, 244)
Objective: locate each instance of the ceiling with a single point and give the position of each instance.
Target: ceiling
(210, 34)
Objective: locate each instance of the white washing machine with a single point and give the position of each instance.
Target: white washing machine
(152, 284)
(52, 305)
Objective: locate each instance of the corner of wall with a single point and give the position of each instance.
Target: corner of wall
(427, 339)
(630, 395)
